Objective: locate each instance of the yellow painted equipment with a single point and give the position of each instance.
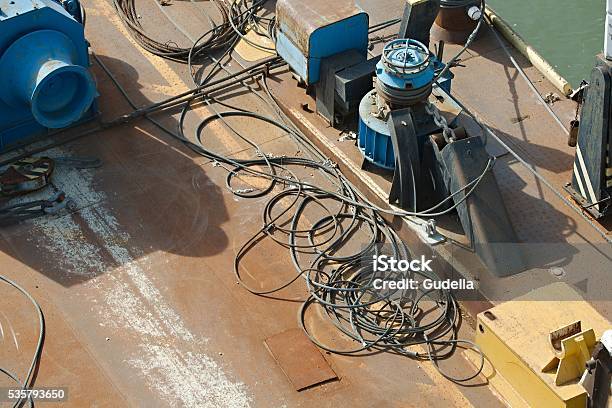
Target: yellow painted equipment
(532, 362)
(572, 348)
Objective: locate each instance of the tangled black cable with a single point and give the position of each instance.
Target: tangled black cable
(341, 284)
(237, 17)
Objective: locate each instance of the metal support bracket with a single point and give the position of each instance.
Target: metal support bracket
(572, 348)
(404, 189)
(326, 87)
(592, 178)
(483, 216)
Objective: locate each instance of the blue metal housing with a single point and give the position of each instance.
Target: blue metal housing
(406, 65)
(44, 81)
(374, 138)
(309, 31)
(404, 76)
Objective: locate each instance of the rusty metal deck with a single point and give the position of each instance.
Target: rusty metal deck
(554, 238)
(141, 305)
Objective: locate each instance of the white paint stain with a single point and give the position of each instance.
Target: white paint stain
(193, 370)
(92, 244)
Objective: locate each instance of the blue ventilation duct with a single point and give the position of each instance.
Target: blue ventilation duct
(44, 79)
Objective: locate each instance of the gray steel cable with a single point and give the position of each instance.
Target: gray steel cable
(441, 333)
(28, 380)
(467, 44)
(525, 77)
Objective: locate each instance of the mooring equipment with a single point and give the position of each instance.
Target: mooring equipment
(407, 119)
(402, 128)
(45, 82)
(591, 184)
(404, 77)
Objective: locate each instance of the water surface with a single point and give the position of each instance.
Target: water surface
(568, 33)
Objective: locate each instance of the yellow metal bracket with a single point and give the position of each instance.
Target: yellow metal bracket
(537, 346)
(572, 348)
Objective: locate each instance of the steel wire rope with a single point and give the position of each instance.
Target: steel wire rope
(467, 44)
(347, 196)
(300, 271)
(29, 377)
(236, 17)
(524, 75)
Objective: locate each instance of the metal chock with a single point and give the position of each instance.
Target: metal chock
(404, 190)
(482, 213)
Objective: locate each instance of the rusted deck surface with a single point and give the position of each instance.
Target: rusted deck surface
(141, 304)
(551, 234)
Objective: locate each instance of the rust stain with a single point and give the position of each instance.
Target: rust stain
(305, 17)
(176, 83)
(299, 359)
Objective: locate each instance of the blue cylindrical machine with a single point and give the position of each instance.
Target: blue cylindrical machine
(41, 70)
(405, 73)
(45, 83)
(404, 77)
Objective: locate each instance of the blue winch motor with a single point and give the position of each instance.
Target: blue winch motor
(44, 78)
(404, 77)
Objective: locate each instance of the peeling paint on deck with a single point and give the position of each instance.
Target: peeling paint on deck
(127, 300)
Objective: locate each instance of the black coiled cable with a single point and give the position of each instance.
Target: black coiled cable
(236, 18)
(340, 283)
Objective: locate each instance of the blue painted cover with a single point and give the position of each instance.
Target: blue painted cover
(17, 19)
(348, 34)
(345, 35)
(406, 64)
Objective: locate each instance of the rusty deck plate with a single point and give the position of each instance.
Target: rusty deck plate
(124, 280)
(299, 359)
(549, 231)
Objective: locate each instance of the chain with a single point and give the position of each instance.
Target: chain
(578, 96)
(440, 121)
